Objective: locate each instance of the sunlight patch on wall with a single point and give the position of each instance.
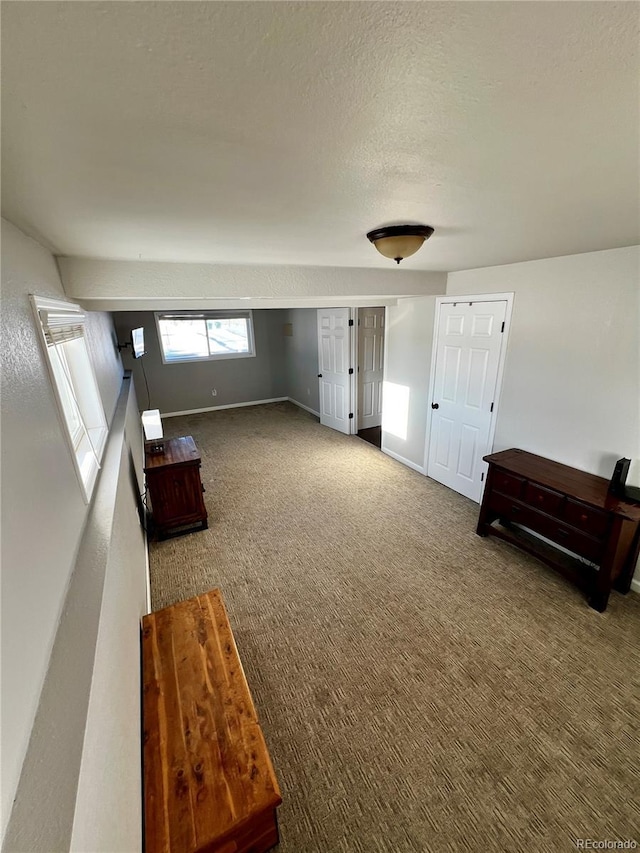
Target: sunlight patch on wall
(395, 409)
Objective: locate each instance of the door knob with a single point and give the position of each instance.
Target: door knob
(319, 376)
(435, 405)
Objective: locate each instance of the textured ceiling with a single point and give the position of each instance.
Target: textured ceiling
(275, 132)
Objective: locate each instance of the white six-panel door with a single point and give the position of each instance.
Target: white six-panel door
(333, 360)
(468, 350)
(370, 366)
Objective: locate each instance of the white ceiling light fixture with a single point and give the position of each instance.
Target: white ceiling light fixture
(399, 241)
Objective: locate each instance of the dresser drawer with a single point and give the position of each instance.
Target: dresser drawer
(586, 518)
(520, 514)
(546, 500)
(511, 510)
(508, 484)
(579, 543)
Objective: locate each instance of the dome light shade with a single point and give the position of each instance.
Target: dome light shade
(399, 241)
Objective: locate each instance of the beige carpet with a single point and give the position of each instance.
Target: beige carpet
(420, 688)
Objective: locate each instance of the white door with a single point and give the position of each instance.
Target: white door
(334, 345)
(370, 366)
(468, 352)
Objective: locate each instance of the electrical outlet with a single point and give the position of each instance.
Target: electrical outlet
(214, 392)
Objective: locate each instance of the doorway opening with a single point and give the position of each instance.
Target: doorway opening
(351, 370)
(371, 434)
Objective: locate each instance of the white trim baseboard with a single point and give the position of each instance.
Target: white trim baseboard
(407, 462)
(635, 585)
(227, 406)
(302, 406)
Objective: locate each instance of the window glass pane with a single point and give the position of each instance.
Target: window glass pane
(78, 364)
(212, 336)
(228, 335)
(69, 407)
(85, 455)
(183, 339)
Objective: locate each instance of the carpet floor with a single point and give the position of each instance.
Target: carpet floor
(420, 688)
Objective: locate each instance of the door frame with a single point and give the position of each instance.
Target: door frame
(472, 297)
(353, 358)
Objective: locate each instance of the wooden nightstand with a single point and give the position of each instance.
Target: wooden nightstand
(175, 488)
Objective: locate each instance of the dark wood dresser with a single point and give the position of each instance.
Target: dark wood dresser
(571, 509)
(175, 488)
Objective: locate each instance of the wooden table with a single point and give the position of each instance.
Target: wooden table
(572, 509)
(209, 785)
(174, 487)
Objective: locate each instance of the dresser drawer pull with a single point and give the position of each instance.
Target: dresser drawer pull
(562, 532)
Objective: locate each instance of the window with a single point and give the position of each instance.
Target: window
(61, 330)
(207, 335)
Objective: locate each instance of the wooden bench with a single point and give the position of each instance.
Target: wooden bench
(209, 785)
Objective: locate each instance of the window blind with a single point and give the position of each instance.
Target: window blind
(60, 327)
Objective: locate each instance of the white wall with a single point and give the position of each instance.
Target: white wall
(103, 351)
(111, 748)
(133, 286)
(54, 550)
(571, 382)
(408, 342)
(42, 506)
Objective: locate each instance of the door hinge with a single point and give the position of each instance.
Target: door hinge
(482, 479)
(351, 322)
(491, 409)
(350, 414)
(502, 329)
(350, 371)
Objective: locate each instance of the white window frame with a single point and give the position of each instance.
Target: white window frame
(88, 440)
(207, 315)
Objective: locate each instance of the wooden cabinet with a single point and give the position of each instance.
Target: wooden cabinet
(174, 487)
(571, 509)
